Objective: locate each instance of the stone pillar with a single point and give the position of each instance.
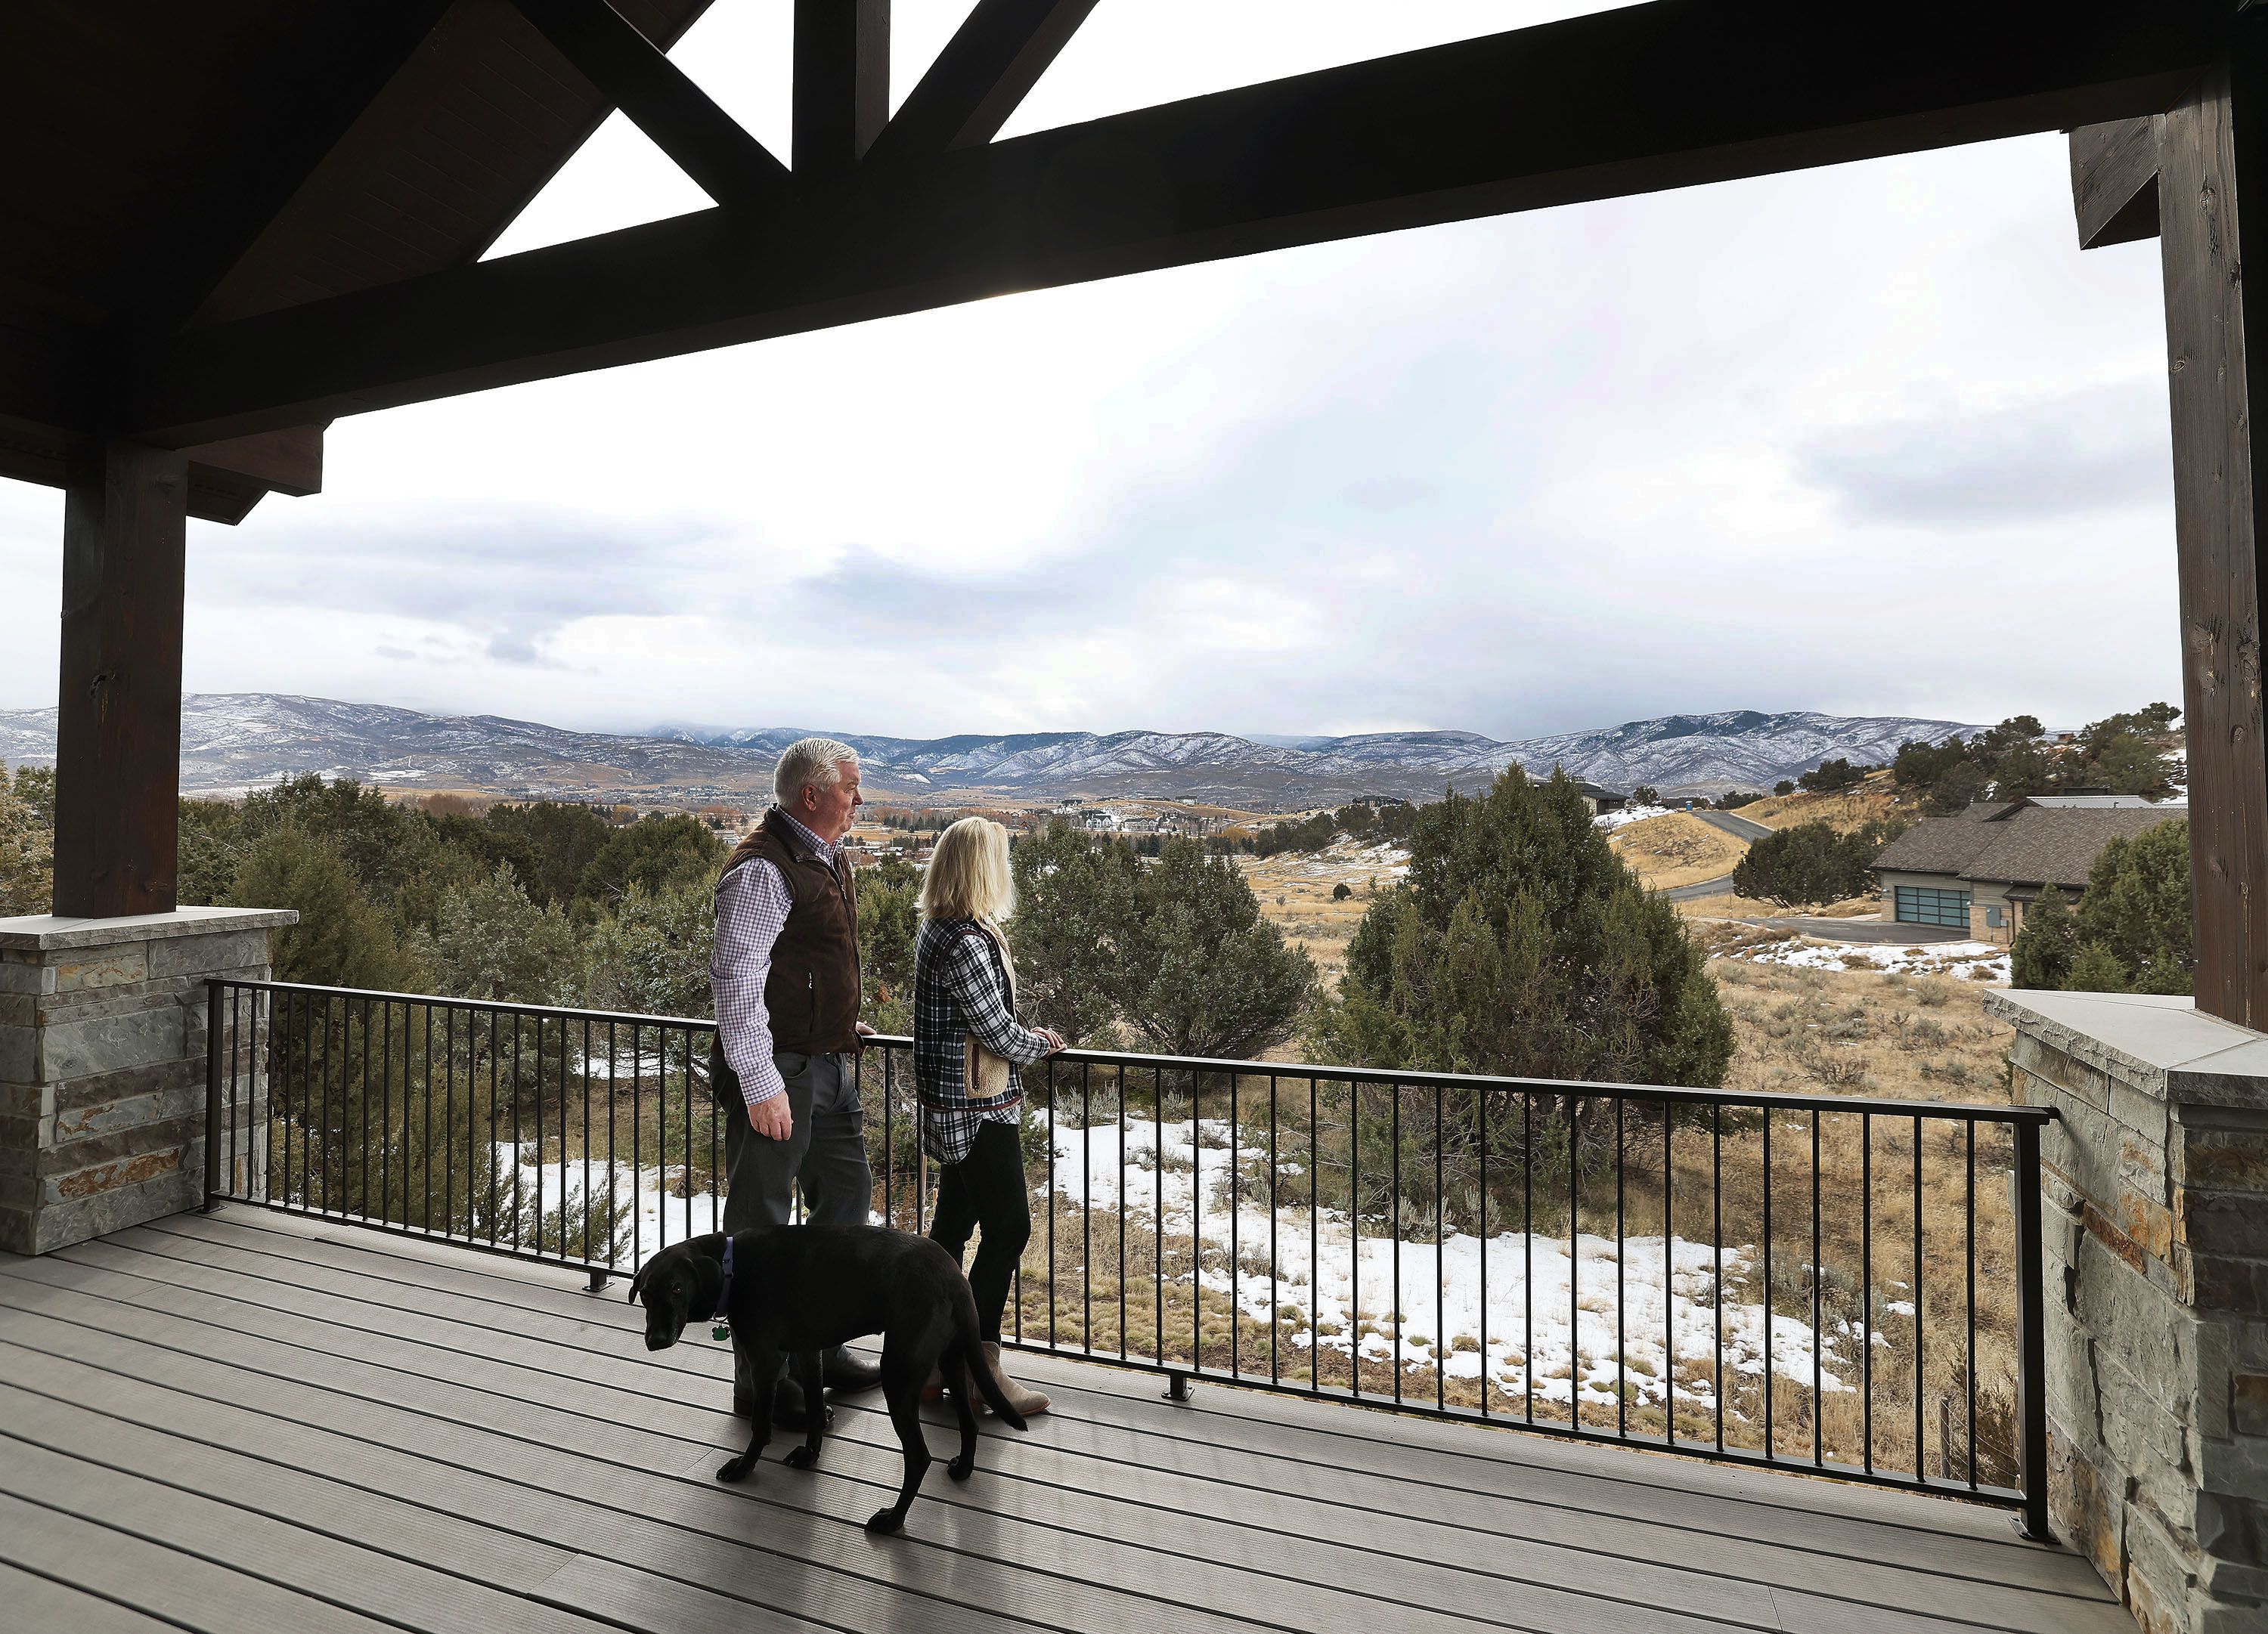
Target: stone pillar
(2155, 1214)
(102, 1067)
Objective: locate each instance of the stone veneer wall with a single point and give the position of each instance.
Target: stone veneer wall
(2155, 1215)
(102, 1067)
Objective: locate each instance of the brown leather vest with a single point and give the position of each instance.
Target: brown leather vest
(812, 994)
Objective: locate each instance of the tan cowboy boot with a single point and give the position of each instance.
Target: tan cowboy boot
(1027, 1402)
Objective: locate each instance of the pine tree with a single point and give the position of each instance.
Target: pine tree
(342, 939)
(2042, 954)
(1522, 944)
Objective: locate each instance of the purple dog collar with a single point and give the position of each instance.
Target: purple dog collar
(724, 1292)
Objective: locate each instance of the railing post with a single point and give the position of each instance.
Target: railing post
(2031, 1339)
(212, 1094)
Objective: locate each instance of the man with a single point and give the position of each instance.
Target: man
(786, 978)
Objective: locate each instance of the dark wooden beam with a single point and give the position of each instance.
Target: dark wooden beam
(1697, 92)
(842, 84)
(703, 141)
(985, 71)
(2213, 200)
(118, 728)
(2114, 181)
(226, 480)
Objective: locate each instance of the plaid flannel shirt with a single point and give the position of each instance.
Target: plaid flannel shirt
(961, 987)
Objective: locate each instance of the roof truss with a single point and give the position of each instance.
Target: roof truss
(1670, 94)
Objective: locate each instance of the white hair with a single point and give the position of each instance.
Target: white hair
(810, 764)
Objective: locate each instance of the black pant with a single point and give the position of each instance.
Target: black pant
(985, 1190)
(825, 1154)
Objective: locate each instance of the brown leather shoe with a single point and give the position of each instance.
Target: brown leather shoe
(1025, 1400)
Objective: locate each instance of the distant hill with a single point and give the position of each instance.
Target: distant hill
(237, 741)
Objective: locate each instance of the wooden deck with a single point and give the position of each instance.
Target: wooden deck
(243, 1423)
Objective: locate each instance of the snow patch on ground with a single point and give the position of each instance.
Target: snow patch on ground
(1629, 814)
(1965, 960)
(1550, 1317)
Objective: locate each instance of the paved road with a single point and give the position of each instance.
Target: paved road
(1695, 893)
(1733, 824)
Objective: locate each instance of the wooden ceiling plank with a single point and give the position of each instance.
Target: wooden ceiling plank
(724, 160)
(984, 74)
(1511, 122)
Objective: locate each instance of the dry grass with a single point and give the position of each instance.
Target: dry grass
(1295, 896)
(1849, 809)
(1676, 849)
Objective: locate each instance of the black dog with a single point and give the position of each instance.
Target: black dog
(806, 1289)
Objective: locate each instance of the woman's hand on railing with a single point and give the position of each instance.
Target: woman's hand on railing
(1055, 1045)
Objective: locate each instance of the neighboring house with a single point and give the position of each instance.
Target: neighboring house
(1600, 799)
(1979, 869)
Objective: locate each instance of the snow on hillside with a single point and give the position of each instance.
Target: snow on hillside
(231, 742)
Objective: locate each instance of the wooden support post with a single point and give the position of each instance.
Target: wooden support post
(842, 84)
(118, 729)
(2213, 182)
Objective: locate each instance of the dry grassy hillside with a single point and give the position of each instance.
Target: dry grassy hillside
(1676, 849)
(1295, 896)
(1846, 810)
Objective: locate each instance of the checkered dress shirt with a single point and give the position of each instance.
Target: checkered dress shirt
(752, 908)
(961, 987)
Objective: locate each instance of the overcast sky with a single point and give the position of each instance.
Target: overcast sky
(1875, 439)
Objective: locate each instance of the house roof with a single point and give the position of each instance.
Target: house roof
(2018, 843)
(1945, 844)
(2038, 846)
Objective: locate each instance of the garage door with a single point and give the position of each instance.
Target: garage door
(1920, 905)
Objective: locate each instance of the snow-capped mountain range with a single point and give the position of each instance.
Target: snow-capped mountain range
(238, 742)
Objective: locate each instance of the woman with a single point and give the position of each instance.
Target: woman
(965, 990)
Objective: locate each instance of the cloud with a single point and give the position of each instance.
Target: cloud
(2041, 458)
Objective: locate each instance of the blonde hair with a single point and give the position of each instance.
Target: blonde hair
(969, 876)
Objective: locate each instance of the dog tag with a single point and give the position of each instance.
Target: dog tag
(721, 1332)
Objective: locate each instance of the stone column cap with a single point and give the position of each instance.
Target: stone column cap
(2161, 1045)
(44, 932)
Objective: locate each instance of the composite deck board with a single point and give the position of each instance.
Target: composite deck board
(1995, 1561)
(1761, 1506)
(1186, 1584)
(38, 1603)
(1819, 1589)
(1795, 1511)
(1612, 1579)
(423, 1420)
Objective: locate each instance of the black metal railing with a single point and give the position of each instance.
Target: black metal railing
(1826, 1283)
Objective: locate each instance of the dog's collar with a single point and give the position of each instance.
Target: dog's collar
(725, 1291)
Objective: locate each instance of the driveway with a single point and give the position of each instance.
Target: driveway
(1740, 827)
(1864, 931)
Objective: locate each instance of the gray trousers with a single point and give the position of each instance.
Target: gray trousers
(825, 1152)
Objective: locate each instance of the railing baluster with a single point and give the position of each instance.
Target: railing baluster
(1440, 1262)
(1394, 1219)
(1969, 1257)
(1621, 1281)
(1771, 1450)
(1668, 1278)
(1717, 1248)
(1867, 1286)
(1921, 1449)
(1818, 1276)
